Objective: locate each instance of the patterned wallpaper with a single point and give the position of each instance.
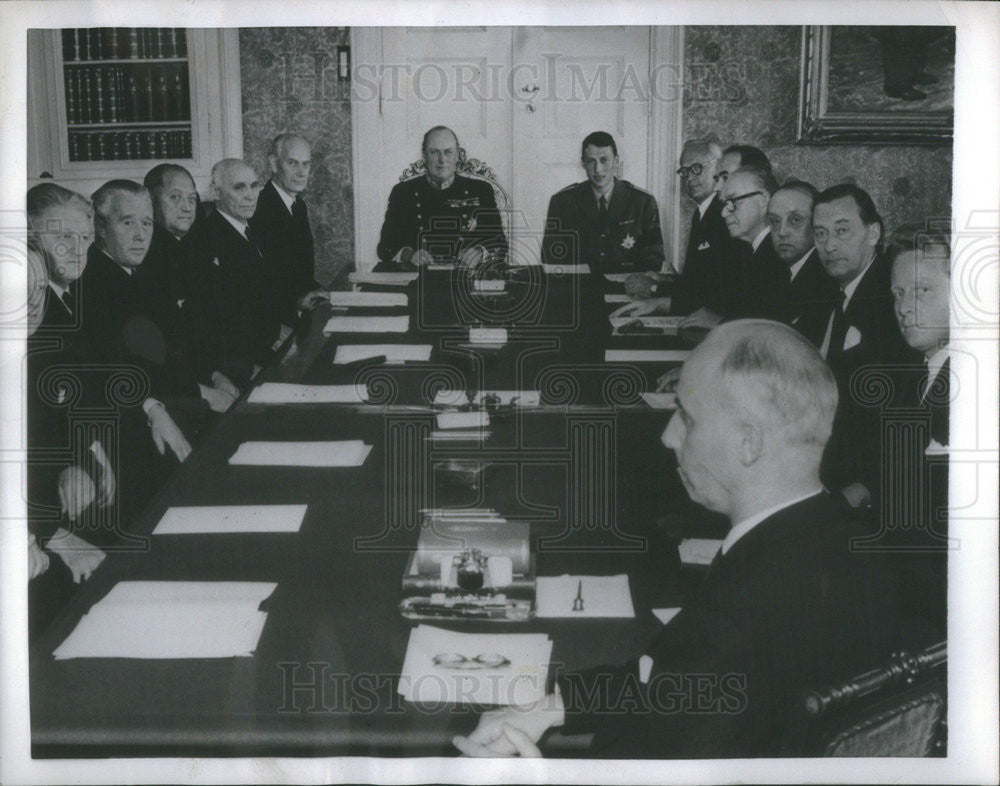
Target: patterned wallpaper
(289, 83)
(742, 85)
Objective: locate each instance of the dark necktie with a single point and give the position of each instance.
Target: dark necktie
(602, 215)
(251, 237)
(839, 330)
(298, 209)
(67, 301)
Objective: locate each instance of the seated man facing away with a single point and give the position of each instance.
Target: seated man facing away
(604, 222)
(786, 603)
(442, 215)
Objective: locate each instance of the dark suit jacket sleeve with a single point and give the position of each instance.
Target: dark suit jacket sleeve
(561, 243)
(652, 256)
(393, 236)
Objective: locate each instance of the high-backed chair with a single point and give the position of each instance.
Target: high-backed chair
(476, 169)
(897, 709)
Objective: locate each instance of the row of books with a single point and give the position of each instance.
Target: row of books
(123, 43)
(127, 93)
(129, 145)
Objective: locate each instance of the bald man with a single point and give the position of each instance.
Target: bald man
(281, 223)
(786, 604)
(234, 311)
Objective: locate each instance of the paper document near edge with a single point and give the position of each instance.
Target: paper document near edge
(289, 393)
(351, 324)
(393, 353)
(602, 596)
(167, 620)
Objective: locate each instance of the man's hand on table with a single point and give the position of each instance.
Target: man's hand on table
(639, 286)
(76, 491)
(221, 382)
(513, 731)
(472, 256)
(642, 308)
(312, 299)
(166, 432)
(80, 557)
(417, 258)
(667, 383)
(702, 318)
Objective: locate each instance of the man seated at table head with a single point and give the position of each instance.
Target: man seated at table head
(786, 603)
(175, 209)
(859, 330)
(603, 221)
(235, 315)
(441, 215)
(281, 222)
(812, 291)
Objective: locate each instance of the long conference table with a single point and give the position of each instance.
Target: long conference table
(585, 468)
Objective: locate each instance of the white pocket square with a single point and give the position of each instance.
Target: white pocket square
(705, 245)
(215, 261)
(852, 338)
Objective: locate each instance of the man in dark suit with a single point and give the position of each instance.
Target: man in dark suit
(175, 209)
(234, 312)
(786, 603)
(62, 229)
(281, 222)
(812, 291)
(861, 335)
(441, 215)
(915, 525)
(604, 222)
(697, 275)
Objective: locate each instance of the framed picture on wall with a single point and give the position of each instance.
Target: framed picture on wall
(890, 85)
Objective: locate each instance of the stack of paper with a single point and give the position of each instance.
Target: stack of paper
(468, 420)
(368, 299)
(474, 668)
(489, 285)
(231, 518)
(583, 596)
(286, 393)
(383, 279)
(393, 353)
(459, 398)
(493, 336)
(666, 325)
(348, 324)
(646, 355)
(171, 619)
(348, 453)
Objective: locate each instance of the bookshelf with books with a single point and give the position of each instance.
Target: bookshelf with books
(128, 98)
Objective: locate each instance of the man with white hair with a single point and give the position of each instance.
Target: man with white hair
(281, 222)
(786, 603)
(233, 296)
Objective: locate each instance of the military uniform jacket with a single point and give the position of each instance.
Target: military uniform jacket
(444, 222)
(631, 241)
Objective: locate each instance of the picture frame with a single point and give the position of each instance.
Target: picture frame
(830, 114)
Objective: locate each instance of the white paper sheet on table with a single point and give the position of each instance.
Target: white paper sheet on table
(603, 596)
(519, 680)
(567, 270)
(368, 299)
(698, 551)
(287, 393)
(393, 353)
(660, 400)
(467, 420)
(489, 285)
(617, 299)
(459, 398)
(665, 615)
(668, 324)
(384, 279)
(347, 324)
(211, 519)
(171, 619)
(493, 336)
(346, 453)
(646, 355)
(460, 435)
(618, 278)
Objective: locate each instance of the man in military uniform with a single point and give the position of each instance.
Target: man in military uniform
(603, 222)
(442, 215)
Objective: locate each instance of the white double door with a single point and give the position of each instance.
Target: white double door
(521, 99)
